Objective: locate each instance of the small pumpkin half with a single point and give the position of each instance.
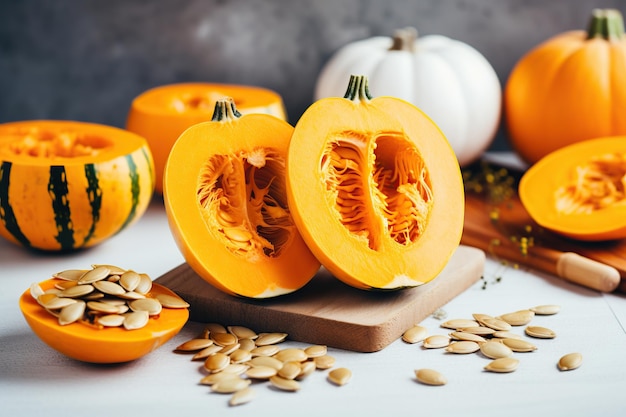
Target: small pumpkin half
(226, 201)
(375, 189)
(579, 191)
(67, 185)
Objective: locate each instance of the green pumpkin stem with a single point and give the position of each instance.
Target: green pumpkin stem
(606, 24)
(225, 110)
(358, 89)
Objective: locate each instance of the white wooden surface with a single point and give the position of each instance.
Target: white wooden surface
(35, 379)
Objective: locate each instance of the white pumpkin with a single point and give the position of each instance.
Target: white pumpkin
(449, 80)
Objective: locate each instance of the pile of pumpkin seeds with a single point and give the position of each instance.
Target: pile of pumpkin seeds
(234, 356)
(104, 296)
(492, 336)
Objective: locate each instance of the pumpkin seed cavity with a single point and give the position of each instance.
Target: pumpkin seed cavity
(103, 296)
(244, 200)
(393, 202)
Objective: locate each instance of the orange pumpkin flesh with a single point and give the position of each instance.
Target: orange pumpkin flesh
(579, 191)
(568, 89)
(110, 345)
(375, 189)
(161, 114)
(225, 198)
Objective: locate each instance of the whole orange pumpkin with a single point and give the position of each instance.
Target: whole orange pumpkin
(568, 89)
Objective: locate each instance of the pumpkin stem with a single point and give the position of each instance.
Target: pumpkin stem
(358, 89)
(404, 39)
(606, 24)
(225, 110)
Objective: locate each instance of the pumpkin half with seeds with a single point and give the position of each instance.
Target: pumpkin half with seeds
(375, 189)
(68, 185)
(579, 191)
(226, 202)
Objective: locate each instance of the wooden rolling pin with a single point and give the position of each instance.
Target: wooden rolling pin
(567, 265)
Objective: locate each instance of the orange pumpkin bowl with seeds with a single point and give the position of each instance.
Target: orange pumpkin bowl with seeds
(579, 191)
(89, 343)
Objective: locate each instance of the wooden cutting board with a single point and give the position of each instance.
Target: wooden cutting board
(514, 223)
(328, 312)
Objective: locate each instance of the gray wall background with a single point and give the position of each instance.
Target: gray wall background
(87, 59)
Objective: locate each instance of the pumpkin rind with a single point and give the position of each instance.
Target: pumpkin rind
(386, 129)
(64, 203)
(570, 88)
(539, 185)
(162, 114)
(449, 80)
(226, 204)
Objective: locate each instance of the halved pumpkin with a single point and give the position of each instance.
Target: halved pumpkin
(226, 201)
(579, 191)
(375, 189)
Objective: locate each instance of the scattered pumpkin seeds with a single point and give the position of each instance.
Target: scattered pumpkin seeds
(570, 361)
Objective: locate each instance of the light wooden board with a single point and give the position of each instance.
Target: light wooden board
(326, 310)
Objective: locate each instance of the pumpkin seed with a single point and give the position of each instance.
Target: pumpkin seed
(71, 313)
(479, 317)
(467, 337)
(170, 301)
(211, 379)
(240, 356)
(149, 305)
(101, 307)
(340, 376)
(285, 384)
(291, 355)
(463, 347)
(270, 338)
(415, 334)
(194, 345)
(479, 330)
(430, 377)
(502, 365)
(496, 324)
(266, 361)
(108, 287)
(455, 324)
(242, 396)
(265, 350)
(247, 344)
(129, 280)
(35, 290)
(540, 332)
(113, 278)
(518, 318)
(94, 275)
(230, 385)
(206, 352)
(242, 332)
(216, 362)
(570, 361)
(506, 335)
(136, 320)
(546, 309)
(519, 345)
(132, 295)
(70, 274)
(62, 285)
(223, 339)
(113, 269)
(290, 370)
(261, 372)
(145, 284)
(306, 369)
(55, 302)
(324, 362)
(495, 350)
(229, 349)
(77, 291)
(436, 341)
(111, 320)
(315, 351)
(235, 368)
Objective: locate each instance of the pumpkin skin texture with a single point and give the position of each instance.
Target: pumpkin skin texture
(375, 189)
(570, 88)
(94, 345)
(447, 79)
(226, 203)
(69, 185)
(558, 197)
(161, 114)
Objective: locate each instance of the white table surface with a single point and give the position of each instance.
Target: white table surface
(36, 380)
